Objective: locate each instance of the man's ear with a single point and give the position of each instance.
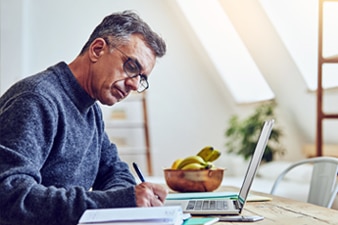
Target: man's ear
(96, 49)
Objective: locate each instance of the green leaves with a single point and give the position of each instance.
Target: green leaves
(242, 135)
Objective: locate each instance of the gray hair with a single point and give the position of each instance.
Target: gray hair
(119, 26)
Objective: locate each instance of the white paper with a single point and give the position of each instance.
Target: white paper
(155, 215)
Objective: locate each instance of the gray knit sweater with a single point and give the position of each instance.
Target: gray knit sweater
(53, 149)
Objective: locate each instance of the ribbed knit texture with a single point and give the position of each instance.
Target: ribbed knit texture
(53, 149)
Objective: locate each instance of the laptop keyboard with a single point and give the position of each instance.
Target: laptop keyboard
(207, 205)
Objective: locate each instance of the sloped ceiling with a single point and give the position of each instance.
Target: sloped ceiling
(270, 53)
(224, 47)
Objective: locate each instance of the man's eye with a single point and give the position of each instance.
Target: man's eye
(131, 67)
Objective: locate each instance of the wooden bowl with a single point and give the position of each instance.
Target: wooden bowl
(194, 180)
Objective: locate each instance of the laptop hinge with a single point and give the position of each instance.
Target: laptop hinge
(236, 202)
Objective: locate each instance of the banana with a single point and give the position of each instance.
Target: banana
(215, 154)
(205, 152)
(203, 160)
(191, 159)
(193, 166)
(176, 163)
(209, 165)
(208, 153)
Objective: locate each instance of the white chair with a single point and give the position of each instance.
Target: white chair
(323, 184)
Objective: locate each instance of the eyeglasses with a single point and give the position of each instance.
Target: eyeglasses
(132, 68)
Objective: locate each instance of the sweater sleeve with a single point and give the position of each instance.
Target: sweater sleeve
(113, 172)
(27, 130)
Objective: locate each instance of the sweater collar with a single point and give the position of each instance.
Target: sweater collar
(72, 87)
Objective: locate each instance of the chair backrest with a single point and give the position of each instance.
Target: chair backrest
(323, 185)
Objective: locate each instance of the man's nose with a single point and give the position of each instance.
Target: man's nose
(133, 82)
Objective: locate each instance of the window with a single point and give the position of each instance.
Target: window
(296, 22)
(226, 50)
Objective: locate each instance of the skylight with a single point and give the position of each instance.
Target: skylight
(226, 50)
(296, 22)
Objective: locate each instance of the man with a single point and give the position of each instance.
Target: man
(56, 161)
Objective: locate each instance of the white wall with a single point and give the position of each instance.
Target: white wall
(187, 109)
(11, 48)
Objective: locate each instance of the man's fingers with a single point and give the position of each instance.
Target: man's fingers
(156, 201)
(148, 194)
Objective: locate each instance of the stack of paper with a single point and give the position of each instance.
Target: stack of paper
(164, 215)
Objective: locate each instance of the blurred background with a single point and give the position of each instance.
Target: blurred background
(224, 58)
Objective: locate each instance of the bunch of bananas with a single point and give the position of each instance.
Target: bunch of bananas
(202, 160)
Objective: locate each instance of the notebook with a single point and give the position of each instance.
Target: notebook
(229, 206)
(165, 215)
(201, 221)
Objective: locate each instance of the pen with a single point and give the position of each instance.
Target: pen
(138, 171)
(140, 175)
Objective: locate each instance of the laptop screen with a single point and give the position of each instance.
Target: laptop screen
(254, 162)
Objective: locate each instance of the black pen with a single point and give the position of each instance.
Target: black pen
(138, 171)
(140, 175)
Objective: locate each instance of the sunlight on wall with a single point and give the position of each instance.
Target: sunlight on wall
(296, 21)
(330, 31)
(226, 50)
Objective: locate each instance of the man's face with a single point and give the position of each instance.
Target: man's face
(108, 79)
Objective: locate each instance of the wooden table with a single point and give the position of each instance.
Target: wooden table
(282, 211)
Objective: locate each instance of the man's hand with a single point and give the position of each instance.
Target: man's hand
(149, 194)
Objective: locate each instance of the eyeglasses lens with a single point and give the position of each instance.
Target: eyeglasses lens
(133, 70)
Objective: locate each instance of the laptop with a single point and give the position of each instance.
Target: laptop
(228, 206)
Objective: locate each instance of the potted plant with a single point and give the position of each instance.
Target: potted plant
(242, 135)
